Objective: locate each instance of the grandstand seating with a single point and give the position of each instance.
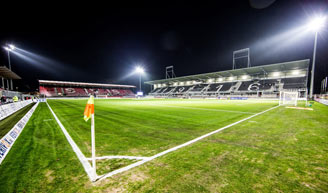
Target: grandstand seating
(155, 90)
(294, 83)
(257, 85)
(168, 90)
(75, 92)
(198, 88)
(48, 91)
(269, 86)
(181, 89)
(59, 90)
(82, 92)
(101, 91)
(220, 87)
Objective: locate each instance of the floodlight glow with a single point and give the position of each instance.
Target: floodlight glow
(220, 79)
(275, 74)
(295, 72)
(244, 77)
(210, 80)
(175, 84)
(11, 46)
(6, 48)
(317, 23)
(231, 78)
(140, 70)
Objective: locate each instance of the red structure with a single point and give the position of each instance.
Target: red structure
(51, 88)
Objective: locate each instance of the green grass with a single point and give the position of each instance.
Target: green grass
(9, 122)
(144, 128)
(105, 166)
(41, 159)
(284, 150)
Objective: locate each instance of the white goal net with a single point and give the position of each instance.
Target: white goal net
(288, 98)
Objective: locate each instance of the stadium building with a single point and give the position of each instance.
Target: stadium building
(49, 88)
(7, 87)
(265, 81)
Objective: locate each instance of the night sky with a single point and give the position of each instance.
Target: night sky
(104, 43)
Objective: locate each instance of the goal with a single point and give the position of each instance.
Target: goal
(288, 98)
(101, 96)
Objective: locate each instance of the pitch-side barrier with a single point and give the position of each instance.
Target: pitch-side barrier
(9, 109)
(9, 139)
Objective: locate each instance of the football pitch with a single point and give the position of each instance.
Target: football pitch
(278, 150)
(147, 127)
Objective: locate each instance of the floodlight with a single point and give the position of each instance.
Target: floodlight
(317, 23)
(220, 79)
(6, 48)
(275, 74)
(296, 72)
(11, 46)
(140, 70)
(231, 78)
(244, 77)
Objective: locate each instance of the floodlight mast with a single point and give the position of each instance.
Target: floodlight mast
(140, 71)
(313, 64)
(315, 25)
(9, 48)
(238, 54)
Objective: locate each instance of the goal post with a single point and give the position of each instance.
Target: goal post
(288, 98)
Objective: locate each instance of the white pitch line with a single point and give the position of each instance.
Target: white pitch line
(204, 109)
(178, 147)
(120, 157)
(86, 165)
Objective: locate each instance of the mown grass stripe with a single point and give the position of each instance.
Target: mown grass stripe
(178, 147)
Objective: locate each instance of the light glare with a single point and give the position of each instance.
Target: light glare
(296, 72)
(140, 70)
(275, 74)
(11, 46)
(317, 23)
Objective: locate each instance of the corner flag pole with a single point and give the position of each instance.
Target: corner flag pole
(89, 112)
(93, 144)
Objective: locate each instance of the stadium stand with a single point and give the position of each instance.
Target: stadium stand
(259, 81)
(50, 88)
(48, 91)
(294, 83)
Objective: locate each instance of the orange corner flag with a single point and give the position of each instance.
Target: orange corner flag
(89, 109)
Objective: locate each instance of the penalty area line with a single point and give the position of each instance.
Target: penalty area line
(126, 168)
